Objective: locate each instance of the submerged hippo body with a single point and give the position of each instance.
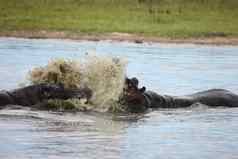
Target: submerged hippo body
(35, 94)
(140, 100)
(213, 97)
(137, 100)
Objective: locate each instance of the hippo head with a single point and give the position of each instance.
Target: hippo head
(134, 96)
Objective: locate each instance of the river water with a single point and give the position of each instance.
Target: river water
(198, 132)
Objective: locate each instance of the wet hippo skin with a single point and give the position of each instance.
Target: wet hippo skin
(140, 100)
(213, 97)
(38, 93)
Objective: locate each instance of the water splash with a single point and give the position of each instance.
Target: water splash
(105, 75)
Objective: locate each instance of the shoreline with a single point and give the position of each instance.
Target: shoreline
(120, 37)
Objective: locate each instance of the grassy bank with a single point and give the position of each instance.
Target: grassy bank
(162, 18)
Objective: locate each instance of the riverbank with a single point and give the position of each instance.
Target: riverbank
(120, 37)
(178, 21)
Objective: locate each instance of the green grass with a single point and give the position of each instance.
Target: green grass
(163, 18)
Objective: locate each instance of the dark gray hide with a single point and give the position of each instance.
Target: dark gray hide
(35, 94)
(213, 97)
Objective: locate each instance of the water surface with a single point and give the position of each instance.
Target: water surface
(166, 68)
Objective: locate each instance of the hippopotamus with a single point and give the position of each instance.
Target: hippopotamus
(136, 99)
(139, 99)
(35, 94)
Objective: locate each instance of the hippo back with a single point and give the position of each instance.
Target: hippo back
(216, 97)
(155, 100)
(5, 99)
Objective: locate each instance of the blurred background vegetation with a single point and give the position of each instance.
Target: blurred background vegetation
(163, 18)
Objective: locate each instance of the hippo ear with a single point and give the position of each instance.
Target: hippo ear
(142, 90)
(135, 81)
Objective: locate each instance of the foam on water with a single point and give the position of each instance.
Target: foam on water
(105, 75)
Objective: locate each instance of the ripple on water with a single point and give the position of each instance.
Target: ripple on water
(167, 68)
